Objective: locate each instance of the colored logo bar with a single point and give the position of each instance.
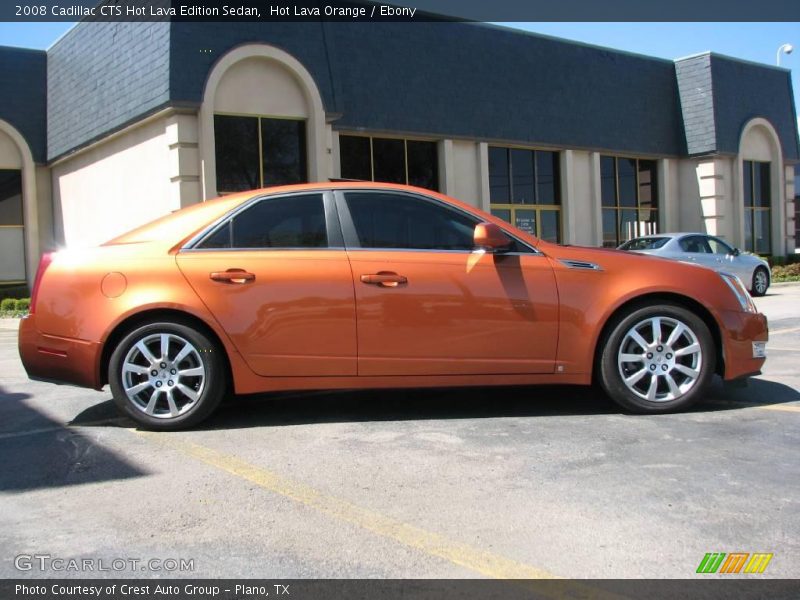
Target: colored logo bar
(734, 563)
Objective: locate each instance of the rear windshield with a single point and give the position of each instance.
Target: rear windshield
(181, 223)
(645, 243)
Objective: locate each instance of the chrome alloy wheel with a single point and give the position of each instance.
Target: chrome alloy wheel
(660, 359)
(760, 282)
(163, 375)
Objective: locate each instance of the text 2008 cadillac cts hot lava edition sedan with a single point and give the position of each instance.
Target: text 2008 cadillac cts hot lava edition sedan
(343, 285)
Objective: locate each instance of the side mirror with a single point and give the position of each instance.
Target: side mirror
(736, 252)
(490, 237)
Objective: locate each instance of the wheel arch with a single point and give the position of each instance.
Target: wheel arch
(138, 319)
(656, 298)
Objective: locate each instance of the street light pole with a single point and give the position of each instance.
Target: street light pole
(785, 49)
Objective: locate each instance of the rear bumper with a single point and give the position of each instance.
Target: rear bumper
(58, 359)
(740, 330)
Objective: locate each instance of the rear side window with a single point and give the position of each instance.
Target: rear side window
(648, 243)
(696, 244)
(285, 222)
(387, 220)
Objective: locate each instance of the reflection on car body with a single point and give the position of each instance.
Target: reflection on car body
(368, 285)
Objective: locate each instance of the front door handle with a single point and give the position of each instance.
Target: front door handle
(384, 279)
(233, 276)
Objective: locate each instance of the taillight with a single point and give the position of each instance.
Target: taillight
(45, 261)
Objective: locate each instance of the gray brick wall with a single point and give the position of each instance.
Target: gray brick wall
(102, 76)
(697, 103)
(23, 96)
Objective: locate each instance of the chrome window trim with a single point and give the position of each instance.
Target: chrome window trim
(268, 249)
(443, 204)
(209, 230)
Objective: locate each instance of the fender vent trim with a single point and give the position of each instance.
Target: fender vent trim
(580, 264)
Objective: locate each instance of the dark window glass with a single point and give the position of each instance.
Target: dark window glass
(502, 213)
(284, 222)
(221, 238)
(423, 164)
(757, 202)
(283, 143)
(647, 185)
(608, 185)
(610, 228)
(647, 243)
(748, 230)
(763, 189)
(761, 231)
(627, 225)
(525, 220)
(522, 176)
(499, 178)
(747, 183)
(627, 181)
(550, 225)
(718, 246)
(355, 157)
(386, 220)
(547, 178)
(10, 197)
(237, 153)
(695, 244)
(389, 160)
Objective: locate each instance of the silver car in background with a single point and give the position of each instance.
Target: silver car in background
(708, 251)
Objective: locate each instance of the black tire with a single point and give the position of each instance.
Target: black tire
(194, 397)
(613, 368)
(760, 283)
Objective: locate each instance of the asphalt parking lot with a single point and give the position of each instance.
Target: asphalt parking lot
(516, 483)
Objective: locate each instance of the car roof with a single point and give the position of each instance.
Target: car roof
(178, 226)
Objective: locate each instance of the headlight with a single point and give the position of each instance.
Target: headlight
(741, 293)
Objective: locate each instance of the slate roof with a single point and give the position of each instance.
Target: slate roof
(442, 78)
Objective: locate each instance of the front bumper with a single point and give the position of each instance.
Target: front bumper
(58, 359)
(739, 331)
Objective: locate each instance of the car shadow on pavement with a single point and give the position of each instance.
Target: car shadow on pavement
(302, 408)
(755, 393)
(39, 452)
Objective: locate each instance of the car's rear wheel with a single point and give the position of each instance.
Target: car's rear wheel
(167, 376)
(760, 282)
(657, 359)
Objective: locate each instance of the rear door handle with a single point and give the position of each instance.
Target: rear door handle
(384, 279)
(233, 276)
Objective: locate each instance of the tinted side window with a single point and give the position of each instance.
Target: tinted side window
(386, 220)
(284, 222)
(719, 247)
(694, 244)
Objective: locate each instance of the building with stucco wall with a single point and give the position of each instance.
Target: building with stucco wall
(119, 123)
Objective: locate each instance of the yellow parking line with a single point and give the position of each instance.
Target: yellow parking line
(783, 407)
(485, 563)
(780, 407)
(480, 561)
(780, 331)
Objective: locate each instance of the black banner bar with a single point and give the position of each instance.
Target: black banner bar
(712, 588)
(399, 10)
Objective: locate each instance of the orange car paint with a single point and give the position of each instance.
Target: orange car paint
(455, 319)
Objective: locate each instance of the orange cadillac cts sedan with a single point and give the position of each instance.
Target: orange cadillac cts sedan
(369, 285)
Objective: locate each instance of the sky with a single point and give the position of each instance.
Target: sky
(757, 42)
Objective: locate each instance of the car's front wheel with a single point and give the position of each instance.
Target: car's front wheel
(760, 282)
(657, 359)
(167, 376)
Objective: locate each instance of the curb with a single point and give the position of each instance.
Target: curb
(12, 324)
